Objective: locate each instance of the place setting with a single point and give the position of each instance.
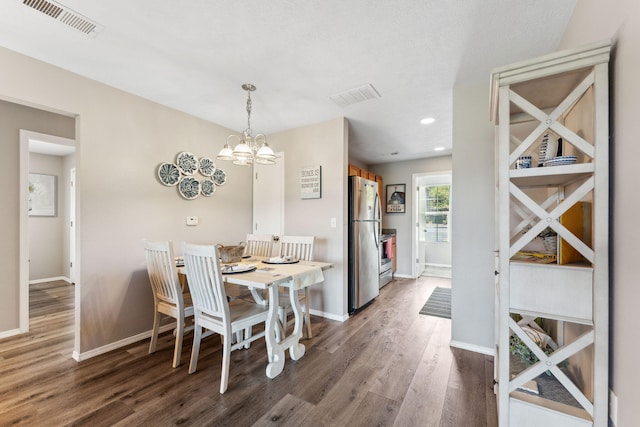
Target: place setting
(237, 268)
(281, 260)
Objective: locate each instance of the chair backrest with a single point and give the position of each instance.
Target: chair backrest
(259, 244)
(300, 247)
(205, 280)
(162, 271)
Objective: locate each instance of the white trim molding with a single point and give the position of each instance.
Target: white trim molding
(472, 347)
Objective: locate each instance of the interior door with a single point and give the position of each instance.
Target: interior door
(268, 198)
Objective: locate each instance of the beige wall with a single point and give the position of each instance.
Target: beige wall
(14, 117)
(619, 20)
(323, 144)
(473, 282)
(120, 141)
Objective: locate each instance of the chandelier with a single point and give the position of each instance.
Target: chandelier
(249, 148)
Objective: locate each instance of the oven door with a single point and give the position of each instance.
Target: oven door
(386, 275)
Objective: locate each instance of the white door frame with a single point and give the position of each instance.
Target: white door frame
(25, 137)
(72, 225)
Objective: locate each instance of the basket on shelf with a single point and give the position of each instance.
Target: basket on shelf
(231, 253)
(550, 244)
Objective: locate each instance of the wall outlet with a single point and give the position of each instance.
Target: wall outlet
(613, 408)
(192, 220)
(334, 222)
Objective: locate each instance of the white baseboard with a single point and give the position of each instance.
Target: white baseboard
(10, 333)
(403, 276)
(472, 347)
(329, 316)
(49, 279)
(118, 344)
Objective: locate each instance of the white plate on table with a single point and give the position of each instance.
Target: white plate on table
(235, 269)
(278, 260)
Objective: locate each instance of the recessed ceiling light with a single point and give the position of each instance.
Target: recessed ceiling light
(427, 120)
(438, 149)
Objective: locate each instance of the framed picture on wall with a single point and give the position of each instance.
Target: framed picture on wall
(396, 194)
(42, 195)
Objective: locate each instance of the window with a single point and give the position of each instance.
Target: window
(436, 213)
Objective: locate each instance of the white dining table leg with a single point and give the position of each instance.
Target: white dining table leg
(275, 351)
(297, 350)
(275, 348)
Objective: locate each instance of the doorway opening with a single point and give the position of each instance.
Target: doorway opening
(432, 219)
(47, 224)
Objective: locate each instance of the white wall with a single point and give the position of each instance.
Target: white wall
(619, 20)
(402, 173)
(472, 300)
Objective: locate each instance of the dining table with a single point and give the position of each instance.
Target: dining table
(269, 273)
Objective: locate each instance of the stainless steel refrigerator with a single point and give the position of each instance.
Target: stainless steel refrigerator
(364, 242)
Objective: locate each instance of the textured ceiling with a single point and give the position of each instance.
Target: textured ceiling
(195, 55)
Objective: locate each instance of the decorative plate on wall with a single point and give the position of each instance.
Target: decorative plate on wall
(207, 167)
(219, 177)
(189, 187)
(168, 173)
(207, 187)
(187, 163)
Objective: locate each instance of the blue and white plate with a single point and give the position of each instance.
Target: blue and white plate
(187, 163)
(207, 166)
(169, 174)
(219, 177)
(189, 187)
(207, 187)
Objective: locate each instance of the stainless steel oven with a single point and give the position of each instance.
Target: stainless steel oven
(386, 274)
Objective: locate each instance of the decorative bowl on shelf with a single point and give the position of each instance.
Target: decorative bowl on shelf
(560, 161)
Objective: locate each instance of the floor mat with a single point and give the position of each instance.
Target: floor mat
(439, 303)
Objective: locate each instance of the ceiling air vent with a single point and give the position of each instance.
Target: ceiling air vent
(353, 96)
(65, 15)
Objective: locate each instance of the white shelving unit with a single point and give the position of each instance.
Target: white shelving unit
(566, 291)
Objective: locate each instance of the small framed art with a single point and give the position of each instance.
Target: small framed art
(396, 198)
(42, 195)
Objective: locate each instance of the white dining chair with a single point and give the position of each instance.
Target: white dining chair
(300, 247)
(259, 245)
(168, 297)
(213, 311)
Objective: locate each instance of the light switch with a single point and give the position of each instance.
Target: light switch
(192, 220)
(334, 223)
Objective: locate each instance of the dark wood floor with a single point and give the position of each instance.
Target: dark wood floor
(386, 366)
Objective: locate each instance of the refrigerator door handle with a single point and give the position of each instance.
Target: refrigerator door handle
(376, 233)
